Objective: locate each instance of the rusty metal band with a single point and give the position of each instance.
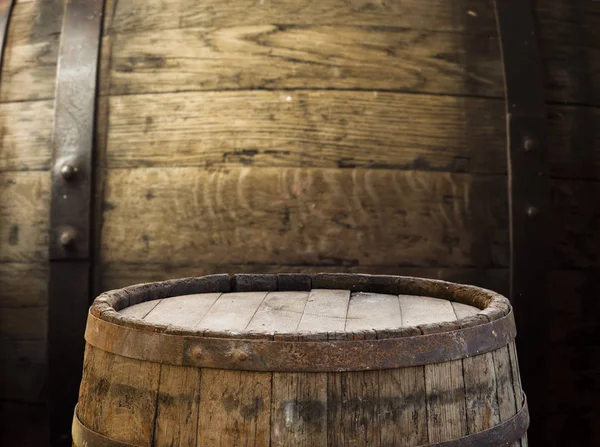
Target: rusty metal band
(528, 174)
(70, 208)
(503, 434)
(84, 437)
(299, 356)
(6, 7)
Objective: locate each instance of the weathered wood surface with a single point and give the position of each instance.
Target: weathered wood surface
(285, 36)
(177, 407)
(407, 406)
(265, 313)
(335, 129)
(25, 135)
(110, 382)
(24, 213)
(235, 408)
(31, 51)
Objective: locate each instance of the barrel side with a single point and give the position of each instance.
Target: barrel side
(27, 81)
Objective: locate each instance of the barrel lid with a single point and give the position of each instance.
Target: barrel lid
(324, 305)
(293, 322)
(301, 312)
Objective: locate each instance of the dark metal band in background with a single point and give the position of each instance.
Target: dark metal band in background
(529, 191)
(70, 209)
(503, 434)
(5, 10)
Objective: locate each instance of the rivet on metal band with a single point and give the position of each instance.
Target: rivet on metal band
(70, 208)
(500, 435)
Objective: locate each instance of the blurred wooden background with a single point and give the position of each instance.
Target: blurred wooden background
(334, 135)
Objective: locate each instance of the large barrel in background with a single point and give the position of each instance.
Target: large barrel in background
(261, 136)
(295, 360)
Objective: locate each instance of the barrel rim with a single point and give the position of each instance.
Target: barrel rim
(493, 305)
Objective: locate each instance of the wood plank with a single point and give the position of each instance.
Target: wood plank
(112, 382)
(308, 128)
(276, 56)
(279, 312)
(235, 408)
(507, 406)
(140, 310)
(297, 216)
(567, 31)
(299, 409)
(337, 129)
(325, 311)
(137, 15)
(444, 382)
(464, 310)
(24, 213)
(183, 311)
(31, 51)
(26, 135)
(403, 408)
(177, 407)
(232, 311)
(481, 392)
(417, 310)
(373, 311)
(353, 410)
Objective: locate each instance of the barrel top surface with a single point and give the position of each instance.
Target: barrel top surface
(317, 310)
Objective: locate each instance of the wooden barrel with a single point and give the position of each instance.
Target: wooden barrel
(310, 136)
(299, 360)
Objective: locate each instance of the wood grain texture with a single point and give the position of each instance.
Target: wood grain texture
(118, 395)
(293, 216)
(276, 56)
(236, 408)
(567, 34)
(31, 51)
(177, 407)
(299, 410)
(403, 406)
(373, 311)
(279, 312)
(140, 310)
(307, 128)
(325, 309)
(353, 410)
(302, 128)
(136, 15)
(182, 311)
(298, 216)
(481, 391)
(24, 213)
(228, 313)
(25, 135)
(444, 384)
